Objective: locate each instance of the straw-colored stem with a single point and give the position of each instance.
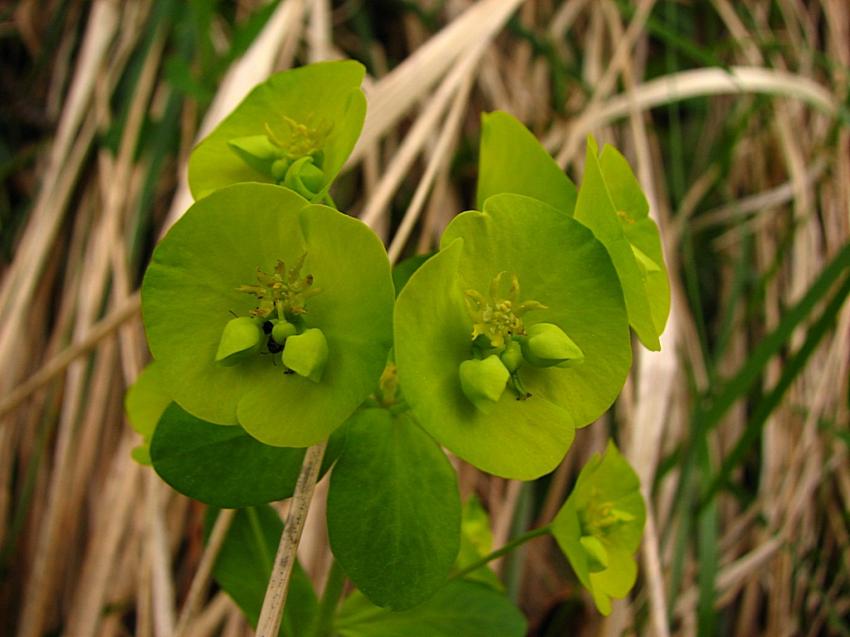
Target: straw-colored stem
(275, 599)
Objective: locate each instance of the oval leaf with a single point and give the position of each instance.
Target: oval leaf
(393, 510)
(222, 465)
(461, 608)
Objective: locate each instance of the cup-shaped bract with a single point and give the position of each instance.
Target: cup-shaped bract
(600, 526)
(195, 285)
(298, 128)
(554, 262)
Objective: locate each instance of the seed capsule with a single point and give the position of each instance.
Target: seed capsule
(512, 356)
(240, 338)
(283, 330)
(597, 555)
(306, 354)
(279, 168)
(546, 345)
(483, 381)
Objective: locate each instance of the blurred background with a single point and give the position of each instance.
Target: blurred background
(735, 117)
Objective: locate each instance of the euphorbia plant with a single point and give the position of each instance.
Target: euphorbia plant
(272, 322)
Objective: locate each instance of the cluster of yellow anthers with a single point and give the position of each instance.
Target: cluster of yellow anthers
(299, 140)
(283, 293)
(500, 317)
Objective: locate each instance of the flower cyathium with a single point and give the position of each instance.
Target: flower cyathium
(508, 409)
(296, 130)
(600, 526)
(283, 293)
(236, 280)
(499, 317)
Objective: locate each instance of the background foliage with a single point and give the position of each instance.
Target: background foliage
(735, 116)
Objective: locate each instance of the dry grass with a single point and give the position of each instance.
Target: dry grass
(749, 181)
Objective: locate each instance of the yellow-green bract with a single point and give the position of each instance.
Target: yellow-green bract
(314, 112)
(191, 290)
(600, 526)
(559, 264)
(610, 202)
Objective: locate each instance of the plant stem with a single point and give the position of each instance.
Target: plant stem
(275, 599)
(507, 548)
(330, 599)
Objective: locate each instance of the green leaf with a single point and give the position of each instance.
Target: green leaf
(459, 608)
(611, 205)
(393, 510)
(559, 264)
(603, 518)
(191, 290)
(324, 96)
(144, 403)
(244, 565)
(222, 465)
(513, 161)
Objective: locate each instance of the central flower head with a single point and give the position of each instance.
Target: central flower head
(229, 370)
(493, 372)
(296, 139)
(282, 293)
(295, 129)
(499, 317)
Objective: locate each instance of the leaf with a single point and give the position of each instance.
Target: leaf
(393, 510)
(144, 403)
(460, 608)
(558, 263)
(244, 565)
(326, 95)
(513, 161)
(222, 465)
(597, 210)
(191, 291)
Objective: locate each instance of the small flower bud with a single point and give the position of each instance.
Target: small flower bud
(483, 381)
(597, 555)
(304, 177)
(283, 330)
(512, 356)
(279, 168)
(240, 338)
(546, 345)
(306, 354)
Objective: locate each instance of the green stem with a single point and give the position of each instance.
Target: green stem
(507, 548)
(323, 620)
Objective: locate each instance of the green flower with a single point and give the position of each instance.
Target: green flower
(610, 202)
(600, 526)
(459, 307)
(295, 129)
(219, 280)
